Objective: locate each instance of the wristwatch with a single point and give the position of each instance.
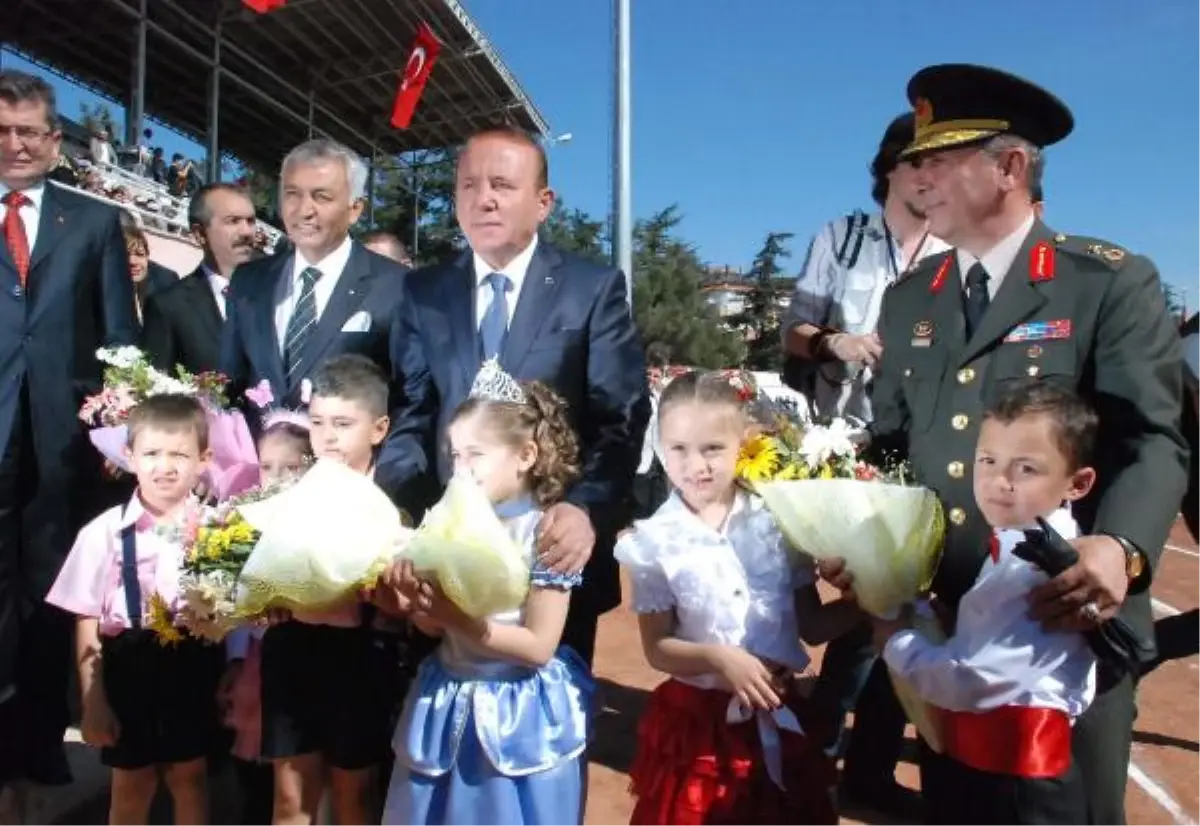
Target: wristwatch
(1135, 560)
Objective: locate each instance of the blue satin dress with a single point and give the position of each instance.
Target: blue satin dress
(488, 741)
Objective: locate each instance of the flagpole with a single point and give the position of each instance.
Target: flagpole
(622, 146)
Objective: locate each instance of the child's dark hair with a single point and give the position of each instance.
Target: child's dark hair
(354, 378)
(703, 386)
(292, 432)
(1075, 422)
(541, 419)
(171, 412)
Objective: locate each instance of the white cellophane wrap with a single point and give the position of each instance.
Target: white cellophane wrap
(463, 545)
(918, 711)
(322, 539)
(889, 535)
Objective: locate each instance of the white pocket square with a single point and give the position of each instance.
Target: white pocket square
(360, 322)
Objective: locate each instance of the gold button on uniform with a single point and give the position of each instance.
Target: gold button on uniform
(960, 421)
(966, 375)
(955, 469)
(958, 516)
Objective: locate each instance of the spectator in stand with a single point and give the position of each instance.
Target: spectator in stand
(101, 149)
(182, 323)
(389, 246)
(183, 181)
(147, 276)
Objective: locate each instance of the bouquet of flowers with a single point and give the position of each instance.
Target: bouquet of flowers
(129, 378)
(464, 546)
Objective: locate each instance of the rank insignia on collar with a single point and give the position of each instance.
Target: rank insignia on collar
(1041, 262)
(939, 279)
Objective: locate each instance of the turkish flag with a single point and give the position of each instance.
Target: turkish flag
(416, 72)
(264, 6)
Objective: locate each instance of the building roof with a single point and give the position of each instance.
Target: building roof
(341, 57)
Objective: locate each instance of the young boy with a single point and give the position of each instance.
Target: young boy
(149, 706)
(1004, 691)
(331, 683)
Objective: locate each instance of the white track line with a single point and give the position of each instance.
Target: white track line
(1162, 609)
(1180, 550)
(1158, 794)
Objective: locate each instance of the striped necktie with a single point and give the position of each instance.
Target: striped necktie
(300, 325)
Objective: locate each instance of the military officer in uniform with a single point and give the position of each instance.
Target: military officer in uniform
(1014, 299)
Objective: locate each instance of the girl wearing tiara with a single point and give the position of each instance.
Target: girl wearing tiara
(722, 606)
(495, 725)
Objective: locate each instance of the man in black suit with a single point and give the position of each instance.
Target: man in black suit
(64, 292)
(181, 325)
(329, 295)
(546, 315)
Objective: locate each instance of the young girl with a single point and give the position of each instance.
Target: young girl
(722, 604)
(284, 451)
(149, 706)
(495, 725)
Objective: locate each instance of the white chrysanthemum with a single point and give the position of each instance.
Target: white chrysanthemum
(820, 444)
(166, 384)
(123, 357)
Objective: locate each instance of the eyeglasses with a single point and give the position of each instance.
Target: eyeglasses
(26, 134)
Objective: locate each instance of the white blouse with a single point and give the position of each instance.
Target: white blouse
(735, 586)
(998, 656)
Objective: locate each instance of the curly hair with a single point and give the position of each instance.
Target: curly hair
(541, 419)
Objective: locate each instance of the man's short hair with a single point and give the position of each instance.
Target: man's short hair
(354, 378)
(200, 213)
(522, 137)
(397, 250)
(21, 87)
(1075, 422)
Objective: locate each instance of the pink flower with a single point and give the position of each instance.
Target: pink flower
(260, 394)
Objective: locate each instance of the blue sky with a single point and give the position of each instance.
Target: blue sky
(763, 115)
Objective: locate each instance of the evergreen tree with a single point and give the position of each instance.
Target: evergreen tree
(575, 231)
(419, 191)
(761, 316)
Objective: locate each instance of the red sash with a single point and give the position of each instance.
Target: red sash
(1013, 740)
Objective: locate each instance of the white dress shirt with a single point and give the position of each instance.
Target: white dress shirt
(515, 270)
(999, 656)
(30, 212)
(998, 260)
(735, 586)
(331, 267)
(219, 284)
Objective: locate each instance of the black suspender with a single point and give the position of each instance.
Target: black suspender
(129, 575)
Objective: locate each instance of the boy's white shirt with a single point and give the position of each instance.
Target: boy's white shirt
(998, 656)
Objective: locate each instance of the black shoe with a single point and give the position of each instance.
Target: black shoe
(889, 798)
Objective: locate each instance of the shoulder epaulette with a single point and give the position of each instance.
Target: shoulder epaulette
(924, 269)
(1095, 249)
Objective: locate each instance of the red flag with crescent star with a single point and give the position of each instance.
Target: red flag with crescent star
(263, 6)
(416, 72)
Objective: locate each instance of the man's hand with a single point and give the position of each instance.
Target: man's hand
(1098, 576)
(565, 539)
(851, 348)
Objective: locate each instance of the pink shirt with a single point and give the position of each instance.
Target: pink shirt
(89, 583)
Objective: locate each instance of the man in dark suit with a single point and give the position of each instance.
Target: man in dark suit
(547, 316)
(64, 292)
(329, 295)
(181, 325)
(1012, 300)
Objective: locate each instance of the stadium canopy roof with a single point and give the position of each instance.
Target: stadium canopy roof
(334, 63)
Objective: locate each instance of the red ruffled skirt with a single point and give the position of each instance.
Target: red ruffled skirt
(692, 767)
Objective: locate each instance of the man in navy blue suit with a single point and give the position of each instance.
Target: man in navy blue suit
(64, 292)
(325, 296)
(547, 316)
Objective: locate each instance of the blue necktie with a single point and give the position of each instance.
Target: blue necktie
(494, 325)
(304, 319)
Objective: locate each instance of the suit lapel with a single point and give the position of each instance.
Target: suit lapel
(52, 225)
(533, 306)
(1017, 299)
(347, 297)
(948, 322)
(209, 314)
(458, 296)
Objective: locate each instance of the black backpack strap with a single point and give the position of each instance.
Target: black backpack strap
(851, 220)
(129, 575)
(858, 240)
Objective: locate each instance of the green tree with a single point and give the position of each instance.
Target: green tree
(1176, 298)
(761, 313)
(98, 116)
(417, 194)
(671, 312)
(575, 231)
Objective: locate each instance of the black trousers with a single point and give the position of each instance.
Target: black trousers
(1100, 745)
(959, 794)
(877, 740)
(1175, 638)
(580, 629)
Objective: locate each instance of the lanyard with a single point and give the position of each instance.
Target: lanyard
(893, 248)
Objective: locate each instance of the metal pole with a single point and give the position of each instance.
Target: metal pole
(371, 190)
(134, 130)
(622, 150)
(312, 105)
(416, 239)
(214, 107)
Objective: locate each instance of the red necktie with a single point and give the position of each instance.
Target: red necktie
(994, 548)
(14, 232)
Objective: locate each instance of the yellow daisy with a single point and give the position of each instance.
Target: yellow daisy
(758, 459)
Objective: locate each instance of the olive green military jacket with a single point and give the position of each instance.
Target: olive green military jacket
(1070, 309)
